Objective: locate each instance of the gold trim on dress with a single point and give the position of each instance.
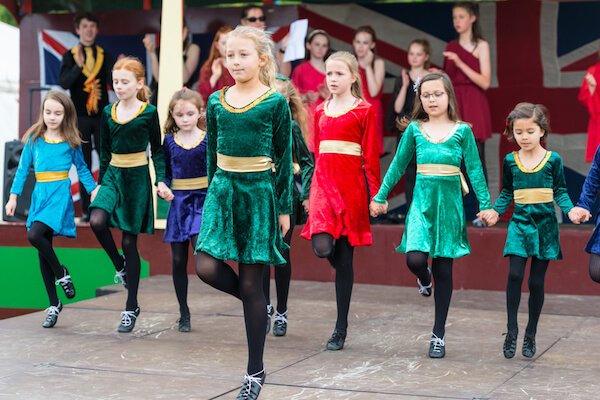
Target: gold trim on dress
(51, 176)
(236, 110)
(332, 115)
(536, 168)
(437, 141)
(340, 147)
(128, 160)
(444, 170)
(533, 196)
(52, 141)
(113, 113)
(244, 164)
(193, 146)
(200, 182)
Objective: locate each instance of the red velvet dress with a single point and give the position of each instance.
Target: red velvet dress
(204, 87)
(342, 184)
(377, 109)
(307, 78)
(592, 103)
(472, 102)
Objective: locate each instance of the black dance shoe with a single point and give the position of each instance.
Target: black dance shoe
(52, 315)
(336, 341)
(67, 284)
(252, 386)
(184, 323)
(128, 319)
(510, 344)
(529, 345)
(280, 324)
(437, 347)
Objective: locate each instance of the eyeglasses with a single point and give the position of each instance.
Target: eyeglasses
(262, 18)
(434, 95)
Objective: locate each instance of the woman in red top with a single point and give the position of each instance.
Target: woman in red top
(309, 77)
(213, 74)
(590, 98)
(346, 172)
(372, 75)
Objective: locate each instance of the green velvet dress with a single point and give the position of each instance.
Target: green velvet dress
(435, 222)
(240, 216)
(126, 193)
(302, 157)
(533, 228)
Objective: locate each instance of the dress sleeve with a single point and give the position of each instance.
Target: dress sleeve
(585, 97)
(168, 170)
(561, 196)
(25, 163)
(85, 176)
(307, 166)
(158, 157)
(589, 192)
(507, 194)
(404, 154)
(474, 169)
(105, 146)
(211, 141)
(69, 70)
(370, 153)
(282, 146)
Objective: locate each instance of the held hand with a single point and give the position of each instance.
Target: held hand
(164, 192)
(590, 80)
(284, 223)
(148, 43)
(578, 215)
(376, 209)
(94, 193)
(490, 217)
(11, 205)
(368, 60)
(305, 205)
(79, 59)
(405, 78)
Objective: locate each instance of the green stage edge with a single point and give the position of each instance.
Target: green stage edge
(22, 287)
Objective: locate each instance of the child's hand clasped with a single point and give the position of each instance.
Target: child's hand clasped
(577, 215)
(490, 217)
(376, 209)
(164, 192)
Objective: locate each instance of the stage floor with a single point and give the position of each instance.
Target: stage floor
(385, 356)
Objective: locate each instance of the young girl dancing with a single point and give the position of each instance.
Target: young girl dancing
(52, 145)
(303, 166)
(124, 199)
(185, 169)
(247, 207)
(346, 173)
(435, 223)
(534, 178)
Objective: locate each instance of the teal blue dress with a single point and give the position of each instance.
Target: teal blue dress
(51, 202)
(435, 222)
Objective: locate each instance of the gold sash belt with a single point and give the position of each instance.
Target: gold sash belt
(200, 182)
(533, 196)
(244, 164)
(340, 147)
(51, 176)
(128, 160)
(444, 170)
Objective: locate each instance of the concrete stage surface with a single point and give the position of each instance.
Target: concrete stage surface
(385, 358)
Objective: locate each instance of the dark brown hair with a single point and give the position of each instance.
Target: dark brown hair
(246, 11)
(538, 112)
(424, 43)
(369, 30)
(473, 10)
(68, 126)
(85, 15)
(312, 35)
(193, 97)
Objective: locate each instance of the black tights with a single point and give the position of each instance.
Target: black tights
(283, 275)
(40, 236)
(536, 291)
(248, 288)
(441, 268)
(595, 267)
(179, 254)
(340, 255)
(99, 224)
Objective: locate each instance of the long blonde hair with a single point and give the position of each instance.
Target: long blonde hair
(352, 64)
(264, 48)
(299, 114)
(193, 97)
(134, 65)
(68, 126)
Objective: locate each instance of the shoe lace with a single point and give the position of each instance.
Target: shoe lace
(269, 310)
(249, 380)
(437, 343)
(120, 276)
(424, 289)
(64, 281)
(280, 318)
(510, 342)
(127, 318)
(53, 311)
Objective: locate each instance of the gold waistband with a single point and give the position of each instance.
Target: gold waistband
(51, 176)
(200, 182)
(296, 168)
(444, 170)
(128, 160)
(533, 196)
(244, 164)
(340, 147)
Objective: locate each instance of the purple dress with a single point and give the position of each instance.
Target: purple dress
(185, 211)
